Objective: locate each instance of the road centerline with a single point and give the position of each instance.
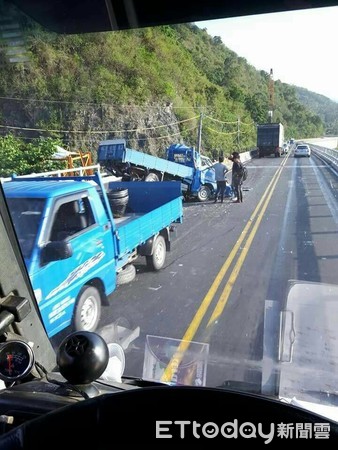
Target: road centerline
(204, 306)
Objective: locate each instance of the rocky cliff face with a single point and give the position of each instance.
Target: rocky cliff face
(150, 128)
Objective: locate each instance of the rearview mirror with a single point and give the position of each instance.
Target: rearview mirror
(55, 251)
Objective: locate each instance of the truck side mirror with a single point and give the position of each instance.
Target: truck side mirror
(55, 251)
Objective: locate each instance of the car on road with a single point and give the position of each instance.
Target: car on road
(302, 150)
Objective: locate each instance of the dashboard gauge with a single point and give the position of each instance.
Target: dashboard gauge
(16, 360)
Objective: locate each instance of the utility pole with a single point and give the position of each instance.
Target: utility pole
(271, 96)
(199, 136)
(238, 132)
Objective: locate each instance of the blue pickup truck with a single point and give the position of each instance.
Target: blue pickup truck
(182, 163)
(76, 251)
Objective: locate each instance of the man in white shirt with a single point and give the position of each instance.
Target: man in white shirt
(220, 172)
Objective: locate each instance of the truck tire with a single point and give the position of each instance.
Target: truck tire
(203, 194)
(127, 274)
(134, 176)
(118, 193)
(151, 177)
(157, 259)
(118, 200)
(87, 311)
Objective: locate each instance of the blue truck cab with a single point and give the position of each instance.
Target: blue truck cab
(75, 249)
(201, 181)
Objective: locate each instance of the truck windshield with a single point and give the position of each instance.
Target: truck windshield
(26, 214)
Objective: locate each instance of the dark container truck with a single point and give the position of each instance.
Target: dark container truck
(270, 139)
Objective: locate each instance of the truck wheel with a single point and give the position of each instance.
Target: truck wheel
(87, 310)
(127, 274)
(203, 193)
(118, 200)
(151, 177)
(157, 259)
(135, 177)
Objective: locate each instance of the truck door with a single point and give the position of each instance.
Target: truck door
(73, 221)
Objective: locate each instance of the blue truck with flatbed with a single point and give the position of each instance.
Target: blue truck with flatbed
(77, 251)
(182, 163)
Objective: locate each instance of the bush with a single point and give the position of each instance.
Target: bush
(21, 158)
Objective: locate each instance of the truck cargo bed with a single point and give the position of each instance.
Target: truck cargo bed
(119, 153)
(151, 208)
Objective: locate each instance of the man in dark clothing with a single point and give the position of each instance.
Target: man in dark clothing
(237, 176)
(220, 171)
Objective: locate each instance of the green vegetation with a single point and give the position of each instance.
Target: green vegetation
(127, 79)
(18, 157)
(325, 108)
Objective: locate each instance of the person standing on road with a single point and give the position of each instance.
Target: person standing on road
(237, 176)
(220, 172)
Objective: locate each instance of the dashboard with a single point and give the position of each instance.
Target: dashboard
(198, 416)
(40, 408)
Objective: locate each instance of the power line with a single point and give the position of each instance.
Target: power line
(167, 136)
(248, 124)
(229, 123)
(75, 102)
(220, 121)
(221, 132)
(99, 131)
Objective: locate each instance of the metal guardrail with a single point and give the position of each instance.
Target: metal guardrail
(248, 155)
(57, 173)
(328, 154)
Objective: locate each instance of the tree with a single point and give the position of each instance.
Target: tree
(18, 157)
(256, 105)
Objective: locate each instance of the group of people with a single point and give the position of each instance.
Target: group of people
(237, 177)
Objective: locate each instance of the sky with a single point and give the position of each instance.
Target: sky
(299, 46)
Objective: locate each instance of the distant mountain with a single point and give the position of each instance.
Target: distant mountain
(325, 108)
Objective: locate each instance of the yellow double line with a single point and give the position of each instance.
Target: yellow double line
(252, 227)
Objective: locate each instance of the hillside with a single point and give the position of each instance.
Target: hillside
(149, 86)
(325, 108)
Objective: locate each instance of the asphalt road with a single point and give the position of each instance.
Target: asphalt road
(228, 259)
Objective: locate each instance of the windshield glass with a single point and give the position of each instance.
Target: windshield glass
(26, 214)
(204, 277)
